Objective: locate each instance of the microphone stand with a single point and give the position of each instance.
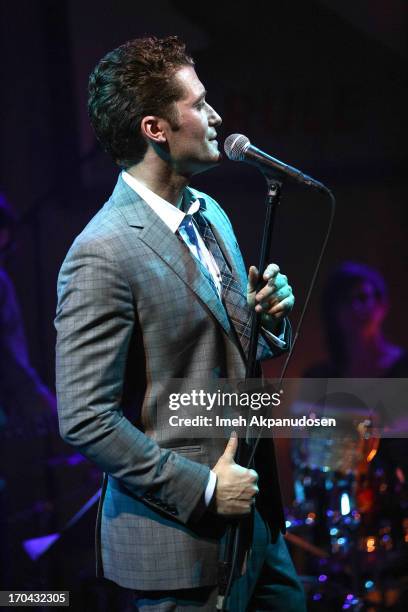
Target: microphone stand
(228, 561)
(272, 203)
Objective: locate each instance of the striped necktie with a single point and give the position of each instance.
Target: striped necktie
(187, 230)
(233, 296)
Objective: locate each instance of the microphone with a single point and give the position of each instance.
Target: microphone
(238, 148)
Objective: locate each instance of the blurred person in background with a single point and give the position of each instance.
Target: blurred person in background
(21, 390)
(354, 306)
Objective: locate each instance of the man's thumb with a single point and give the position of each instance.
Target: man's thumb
(252, 279)
(231, 447)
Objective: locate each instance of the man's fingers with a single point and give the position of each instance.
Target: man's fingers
(275, 297)
(283, 306)
(252, 279)
(271, 271)
(251, 493)
(231, 447)
(253, 475)
(279, 281)
(274, 285)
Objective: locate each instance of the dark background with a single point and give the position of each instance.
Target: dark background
(318, 84)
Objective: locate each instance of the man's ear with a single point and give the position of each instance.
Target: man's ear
(154, 129)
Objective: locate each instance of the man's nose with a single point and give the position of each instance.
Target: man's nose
(214, 118)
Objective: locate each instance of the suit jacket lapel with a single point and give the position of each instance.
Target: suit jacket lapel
(155, 233)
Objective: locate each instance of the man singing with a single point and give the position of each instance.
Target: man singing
(155, 289)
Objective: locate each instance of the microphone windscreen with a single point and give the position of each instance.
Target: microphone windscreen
(235, 145)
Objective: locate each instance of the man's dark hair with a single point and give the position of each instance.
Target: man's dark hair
(130, 82)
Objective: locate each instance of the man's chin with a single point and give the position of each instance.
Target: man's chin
(211, 162)
(218, 158)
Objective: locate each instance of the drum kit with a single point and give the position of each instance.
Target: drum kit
(350, 512)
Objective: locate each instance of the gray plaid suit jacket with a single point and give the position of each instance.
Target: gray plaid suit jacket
(135, 311)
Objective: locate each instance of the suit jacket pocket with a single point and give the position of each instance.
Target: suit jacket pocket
(186, 449)
(194, 452)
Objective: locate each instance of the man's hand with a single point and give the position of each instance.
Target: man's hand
(236, 486)
(275, 300)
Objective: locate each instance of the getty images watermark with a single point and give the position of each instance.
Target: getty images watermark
(303, 408)
(242, 404)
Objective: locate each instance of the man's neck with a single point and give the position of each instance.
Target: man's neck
(160, 178)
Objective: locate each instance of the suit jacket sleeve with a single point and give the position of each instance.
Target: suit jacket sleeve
(95, 320)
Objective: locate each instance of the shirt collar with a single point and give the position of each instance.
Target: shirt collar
(168, 213)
